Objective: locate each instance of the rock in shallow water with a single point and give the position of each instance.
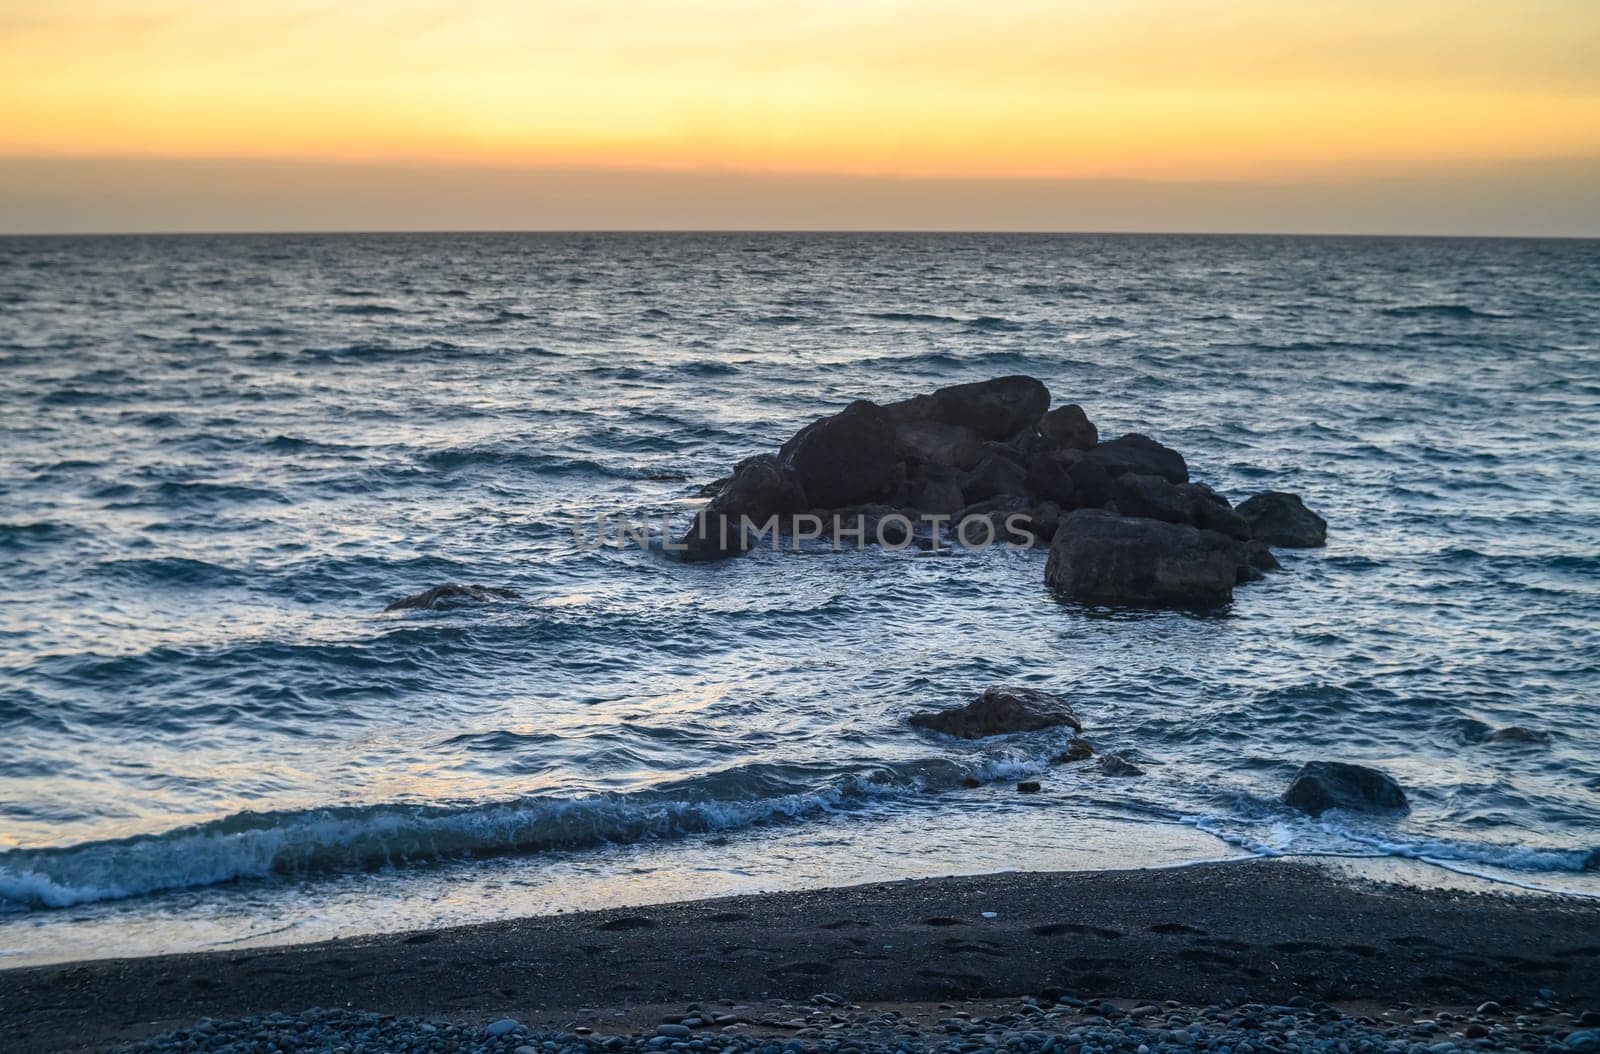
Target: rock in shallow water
(1001, 710)
(1100, 557)
(1323, 785)
(1279, 518)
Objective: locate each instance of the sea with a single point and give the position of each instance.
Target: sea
(222, 457)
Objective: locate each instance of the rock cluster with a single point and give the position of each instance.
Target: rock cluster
(1124, 522)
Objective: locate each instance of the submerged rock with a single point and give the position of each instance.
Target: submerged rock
(1323, 785)
(1279, 518)
(1119, 766)
(450, 595)
(999, 711)
(1100, 557)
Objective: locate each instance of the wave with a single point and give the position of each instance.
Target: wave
(912, 316)
(301, 843)
(1440, 311)
(365, 309)
(19, 535)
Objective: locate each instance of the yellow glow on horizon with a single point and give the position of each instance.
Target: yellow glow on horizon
(1144, 89)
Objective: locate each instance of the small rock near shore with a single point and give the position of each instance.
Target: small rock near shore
(1001, 710)
(1323, 785)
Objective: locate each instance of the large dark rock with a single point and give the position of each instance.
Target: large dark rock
(1091, 483)
(1151, 497)
(1278, 518)
(995, 476)
(449, 595)
(943, 444)
(1068, 427)
(1192, 503)
(996, 409)
(761, 487)
(1010, 518)
(1100, 557)
(933, 489)
(845, 459)
(1324, 785)
(1050, 479)
(1141, 455)
(999, 711)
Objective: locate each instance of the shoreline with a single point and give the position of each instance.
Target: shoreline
(1262, 930)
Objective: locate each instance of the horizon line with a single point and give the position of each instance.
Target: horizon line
(950, 231)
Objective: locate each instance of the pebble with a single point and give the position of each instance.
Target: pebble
(1069, 1027)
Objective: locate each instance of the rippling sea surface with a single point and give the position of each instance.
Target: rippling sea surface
(223, 456)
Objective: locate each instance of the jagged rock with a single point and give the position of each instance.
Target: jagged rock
(760, 487)
(1069, 427)
(450, 595)
(943, 444)
(1282, 519)
(1141, 455)
(1100, 557)
(1324, 785)
(994, 477)
(1000, 711)
(847, 458)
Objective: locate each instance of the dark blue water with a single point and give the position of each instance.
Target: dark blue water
(223, 456)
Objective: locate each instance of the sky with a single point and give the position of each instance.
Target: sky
(1399, 116)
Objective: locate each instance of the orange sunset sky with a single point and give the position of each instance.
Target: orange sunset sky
(1427, 117)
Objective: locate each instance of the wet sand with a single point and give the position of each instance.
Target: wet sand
(1265, 931)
